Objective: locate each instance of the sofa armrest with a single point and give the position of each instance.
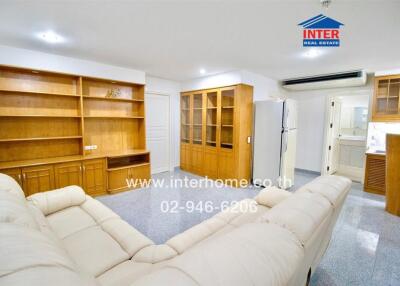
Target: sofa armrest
(272, 196)
(59, 199)
(154, 254)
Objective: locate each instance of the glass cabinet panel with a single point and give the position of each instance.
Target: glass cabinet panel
(197, 118)
(227, 117)
(185, 118)
(387, 96)
(211, 118)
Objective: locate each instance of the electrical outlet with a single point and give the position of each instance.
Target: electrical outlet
(91, 147)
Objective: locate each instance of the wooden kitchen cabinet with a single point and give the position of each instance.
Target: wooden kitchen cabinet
(375, 174)
(37, 179)
(386, 103)
(94, 177)
(67, 174)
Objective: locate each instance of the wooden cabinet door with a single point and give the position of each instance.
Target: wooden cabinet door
(14, 173)
(94, 177)
(196, 164)
(210, 163)
(117, 180)
(185, 156)
(140, 175)
(38, 179)
(375, 174)
(68, 174)
(226, 164)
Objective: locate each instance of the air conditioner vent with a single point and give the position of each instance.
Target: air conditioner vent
(344, 79)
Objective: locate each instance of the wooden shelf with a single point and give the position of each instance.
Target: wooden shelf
(65, 159)
(228, 107)
(40, 116)
(211, 108)
(40, 139)
(197, 125)
(20, 92)
(115, 117)
(227, 125)
(212, 142)
(127, 166)
(211, 125)
(197, 108)
(112, 98)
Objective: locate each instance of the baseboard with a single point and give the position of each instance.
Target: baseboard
(304, 171)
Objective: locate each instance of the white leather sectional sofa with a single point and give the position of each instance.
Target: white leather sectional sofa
(64, 237)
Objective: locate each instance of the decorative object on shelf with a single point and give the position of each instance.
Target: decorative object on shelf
(113, 93)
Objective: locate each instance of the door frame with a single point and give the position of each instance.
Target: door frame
(171, 154)
(328, 115)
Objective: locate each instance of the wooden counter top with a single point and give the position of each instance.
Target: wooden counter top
(64, 159)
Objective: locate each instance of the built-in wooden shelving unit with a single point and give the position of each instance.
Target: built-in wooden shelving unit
(48, 119)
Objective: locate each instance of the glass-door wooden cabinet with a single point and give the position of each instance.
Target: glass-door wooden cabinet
(386, 105)
(216, 127)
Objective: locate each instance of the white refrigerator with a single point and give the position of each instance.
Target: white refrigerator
(274, 151)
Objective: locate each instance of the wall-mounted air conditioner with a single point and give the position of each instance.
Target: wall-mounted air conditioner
(335, 80)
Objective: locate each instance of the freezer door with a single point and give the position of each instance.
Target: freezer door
(290, 114)
(267, 142)
(288, 159)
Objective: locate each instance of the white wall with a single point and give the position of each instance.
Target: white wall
(42, 61)
(264, 87)
(172, 88)
(312, 123)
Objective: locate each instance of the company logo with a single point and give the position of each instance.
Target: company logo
(321, 31)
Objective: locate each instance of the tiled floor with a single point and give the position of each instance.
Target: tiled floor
(365, 246)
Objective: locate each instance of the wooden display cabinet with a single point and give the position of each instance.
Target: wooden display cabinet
(219, 124)
(59, 129)
(386, 103)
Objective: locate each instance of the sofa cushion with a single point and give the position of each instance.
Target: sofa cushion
(253, 254)
(9, 185)
(155, 253)
(125, 273)
(56, 200)
(127, 236)
(69, 221)
(271, 196)
(160, 277)
(28, 255)
(94, 250)
(333, 188)
(13, 209)
(97, 210)
(301, 214)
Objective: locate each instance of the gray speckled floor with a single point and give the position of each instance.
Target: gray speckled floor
(142, 208)
(365, 246)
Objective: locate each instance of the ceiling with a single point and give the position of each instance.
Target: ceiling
(175, 39)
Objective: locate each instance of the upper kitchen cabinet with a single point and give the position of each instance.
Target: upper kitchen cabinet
(386, 105)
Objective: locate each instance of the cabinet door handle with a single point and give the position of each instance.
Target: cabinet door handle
(19, 177)
(80, 168)
(84, 168)
(24, 176)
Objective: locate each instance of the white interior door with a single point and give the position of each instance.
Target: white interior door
(158, 131)
(333, 137)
